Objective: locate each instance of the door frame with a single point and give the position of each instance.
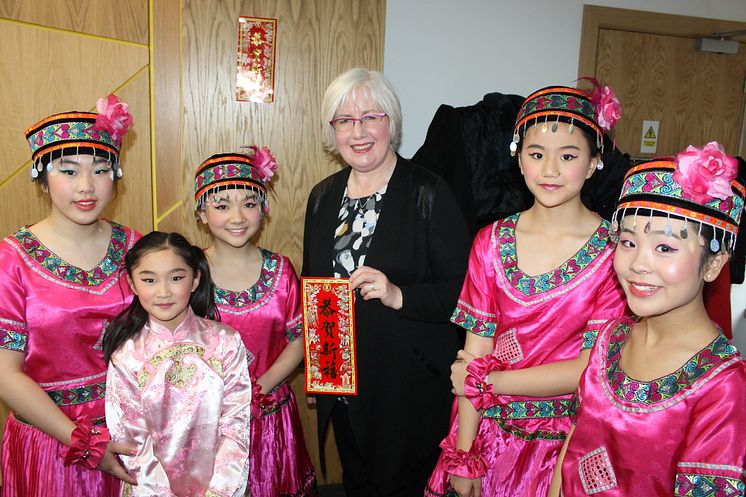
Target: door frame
(596, 18)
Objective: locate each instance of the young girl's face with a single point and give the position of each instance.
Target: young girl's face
(163, 282)
(234, 216)
(660, 273)
(80, 187)
(555, 165)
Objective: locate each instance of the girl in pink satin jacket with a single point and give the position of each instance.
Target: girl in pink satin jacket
(178, 385)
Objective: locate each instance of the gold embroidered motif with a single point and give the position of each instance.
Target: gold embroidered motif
(143, 377)
(215, 364)
(179, 374)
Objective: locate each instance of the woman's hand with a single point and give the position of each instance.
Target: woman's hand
(110, 463)
(466, 487)
(373, 284)
(458, 371)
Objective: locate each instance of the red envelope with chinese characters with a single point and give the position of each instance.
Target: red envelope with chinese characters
(329, 334)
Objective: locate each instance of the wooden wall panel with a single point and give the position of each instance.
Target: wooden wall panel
(119, 19)
(316, 42)
(167, 106)
(45, 72)
(133, 206)
(696, 96)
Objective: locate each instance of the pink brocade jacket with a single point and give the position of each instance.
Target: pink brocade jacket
(183, 400)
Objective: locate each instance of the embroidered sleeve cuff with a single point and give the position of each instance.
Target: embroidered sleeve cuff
(473, 324)
(13, 335)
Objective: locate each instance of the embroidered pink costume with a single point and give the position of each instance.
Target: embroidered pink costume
(55, 314)
(534, 320)
(681, 434)
(268, 317)
(182, 398)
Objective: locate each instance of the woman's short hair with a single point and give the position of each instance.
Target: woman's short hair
(381, 92)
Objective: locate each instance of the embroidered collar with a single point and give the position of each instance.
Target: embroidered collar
(661, 389)
(60, 269)
(566, 272)
(263, 286)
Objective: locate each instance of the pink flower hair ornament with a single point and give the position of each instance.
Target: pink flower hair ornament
(113, 117)
(264, 162)
(705, 173)
(608, 108)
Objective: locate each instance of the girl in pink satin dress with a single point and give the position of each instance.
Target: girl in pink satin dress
(660, 409)
(539, 286)
(257, 293)
(178, 387)
(60, 284)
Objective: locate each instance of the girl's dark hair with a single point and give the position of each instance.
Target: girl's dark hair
(130, 321)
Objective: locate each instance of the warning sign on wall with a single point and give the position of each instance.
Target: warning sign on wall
(649, 142)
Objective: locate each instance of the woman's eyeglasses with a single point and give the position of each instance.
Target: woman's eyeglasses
(366, 121)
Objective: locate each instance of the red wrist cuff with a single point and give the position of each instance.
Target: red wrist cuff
(476, 387)
(466, 464)
(87, 445)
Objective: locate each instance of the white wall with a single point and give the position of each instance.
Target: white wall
(454, 52)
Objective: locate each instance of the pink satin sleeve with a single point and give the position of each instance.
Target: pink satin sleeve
(477, 310)
(293, 318)
(127, 426)
(231, 461)
(715, 446)
(13, 328)
(608, 303)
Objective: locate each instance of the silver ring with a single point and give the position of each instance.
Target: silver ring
(372, 288)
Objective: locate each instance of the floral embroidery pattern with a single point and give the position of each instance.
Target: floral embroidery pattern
(294, 329)
(589, 338)
(13, 340)
(569, 270)
(531, 435)
(69, 273)
(263, 286)
(78, 395)
(661, 389)
(530, 409)
(472, 323)
(691, 485)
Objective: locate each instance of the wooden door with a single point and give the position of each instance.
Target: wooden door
(652, 62)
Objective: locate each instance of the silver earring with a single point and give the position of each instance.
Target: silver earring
(600, 164)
